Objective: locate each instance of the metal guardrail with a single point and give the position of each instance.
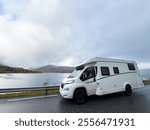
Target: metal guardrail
(28, 89)
(49, 87)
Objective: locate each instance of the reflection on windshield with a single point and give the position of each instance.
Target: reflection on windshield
(76, 72)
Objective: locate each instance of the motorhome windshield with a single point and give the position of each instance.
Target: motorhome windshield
(76, 72)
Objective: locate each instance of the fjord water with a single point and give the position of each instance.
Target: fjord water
(15, 80)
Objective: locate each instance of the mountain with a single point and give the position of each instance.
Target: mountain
(54, 69)
(43, 69)
(8, 69)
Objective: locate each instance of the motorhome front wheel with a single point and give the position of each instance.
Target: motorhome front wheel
(80, 96)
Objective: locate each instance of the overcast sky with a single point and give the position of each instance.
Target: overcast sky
(66, 32)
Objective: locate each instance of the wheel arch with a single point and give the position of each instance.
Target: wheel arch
(80, 88)
(127, 84)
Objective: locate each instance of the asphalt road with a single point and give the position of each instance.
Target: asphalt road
(138, 102)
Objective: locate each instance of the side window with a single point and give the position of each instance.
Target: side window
(88, 73)
(105, 71)
(116, 70)
(131, 66)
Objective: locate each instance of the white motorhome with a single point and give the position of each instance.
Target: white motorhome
(100, 76)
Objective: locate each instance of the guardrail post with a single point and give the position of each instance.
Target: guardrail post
(46, 92)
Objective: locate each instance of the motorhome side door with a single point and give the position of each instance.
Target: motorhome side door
(105, 81)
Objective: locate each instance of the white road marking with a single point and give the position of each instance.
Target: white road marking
(30, 98)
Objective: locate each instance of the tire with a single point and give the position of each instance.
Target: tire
(80, 96)
(128, 90)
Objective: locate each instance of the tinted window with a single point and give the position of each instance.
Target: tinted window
(105, 71)
(81, 67)
(116, 70)
(131, 66)
(88, 73)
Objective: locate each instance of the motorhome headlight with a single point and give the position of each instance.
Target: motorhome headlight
(66, 89)
(70, 81)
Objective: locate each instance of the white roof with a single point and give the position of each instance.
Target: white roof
(101, 59)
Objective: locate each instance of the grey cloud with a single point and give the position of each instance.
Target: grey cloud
(57, 30)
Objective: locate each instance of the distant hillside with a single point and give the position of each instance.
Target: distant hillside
(54, 69)
(8, 69)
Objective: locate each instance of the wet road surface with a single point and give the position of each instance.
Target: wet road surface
(138, 102)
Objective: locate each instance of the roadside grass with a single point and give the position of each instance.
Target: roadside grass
(146, 82)
(39, 92)
(29, 93)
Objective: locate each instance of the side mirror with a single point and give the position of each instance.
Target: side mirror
(83, 76)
